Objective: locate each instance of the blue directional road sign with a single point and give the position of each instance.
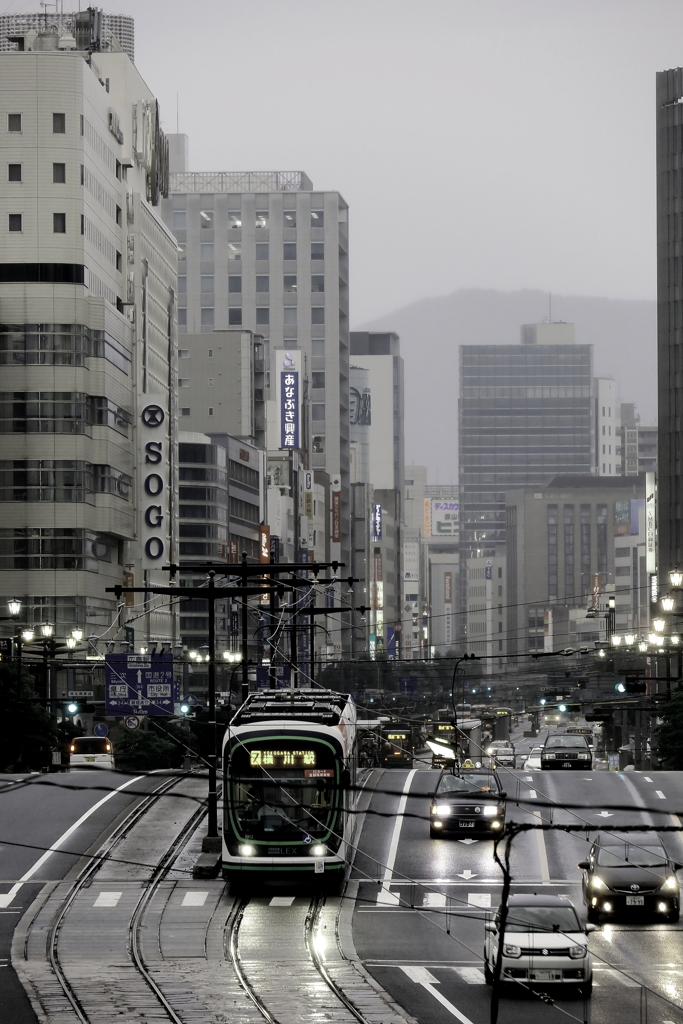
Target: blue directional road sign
(140, 684)
(101, 729)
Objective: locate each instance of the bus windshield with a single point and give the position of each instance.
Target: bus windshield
(283, 790)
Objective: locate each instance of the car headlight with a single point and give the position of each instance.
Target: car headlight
(490, 811)
(442, 810)
(549, 756)
(671, 883)
(490, 751)
(513, 951)
(597, 882)
(576, 952)
(583, 757)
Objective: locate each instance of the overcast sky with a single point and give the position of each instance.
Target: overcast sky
(491, 143)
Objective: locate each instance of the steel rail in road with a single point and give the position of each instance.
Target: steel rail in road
(232, 950)
(85, 878)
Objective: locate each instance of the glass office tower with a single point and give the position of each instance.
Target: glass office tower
(525, 415)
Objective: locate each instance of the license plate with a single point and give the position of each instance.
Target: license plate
(566, 764)
(545, 976)
(465, 824)
(635, 901)
(89, 759)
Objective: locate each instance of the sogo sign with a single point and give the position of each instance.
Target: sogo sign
(154, 490)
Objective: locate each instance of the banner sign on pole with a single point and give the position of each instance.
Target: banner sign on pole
(140, 684)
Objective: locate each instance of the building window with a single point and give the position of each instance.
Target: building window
(210, 353)
(179, 220)
(185, 411)
(206, 219)
(182, 253)
(552, 552)
(119, 262)
(318, 446)
(206, 284)
(206, 252)
(262, 219)
(210, 410)
(210, 382)
(182, 316)
(59, 223)
(262, 251)
(290, 316)
(318, 315)
(14, 172)
(59, 174)
(183, 353)
(289, 251)
(262, 315)
(317, 282)
(318, 348)
(234, 284)
(235, 250)
(183, 382)
(262, 283)
(317, 218)
(182, 284)
(289, 219)
(14, 122)
(58, 124)
(234, 221)
(317, 250)
(235, 316)
(207, 316)
(317, 410)
(318, 379)
(119, 218)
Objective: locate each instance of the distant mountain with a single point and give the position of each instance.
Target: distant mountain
(622, 331)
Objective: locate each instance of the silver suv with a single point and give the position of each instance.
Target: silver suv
(544, 945)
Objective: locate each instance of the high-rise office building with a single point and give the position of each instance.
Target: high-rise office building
(608, 447)
(266, 252)
(87, 346)
(669, 320)
(525, 414)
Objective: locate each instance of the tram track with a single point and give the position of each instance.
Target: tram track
(305, 932)
(89, 874)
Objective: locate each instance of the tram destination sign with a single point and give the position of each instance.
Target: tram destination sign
(140, 684)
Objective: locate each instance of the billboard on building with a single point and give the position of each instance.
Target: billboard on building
(444, 517)
(427, 517)
(155, 480)
(376, 522)
(650, 524)
(411, 560)
(288, 389)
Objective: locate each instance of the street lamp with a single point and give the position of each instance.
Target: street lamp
(77, 634)
(675, 577)
(47, 629)
(616, 640)
(668, 604)
(629, 639)
(659, 625)
(14, 606)
(27, 634)
(71, 642)
(642, 646)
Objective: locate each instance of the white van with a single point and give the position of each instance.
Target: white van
(91, 752)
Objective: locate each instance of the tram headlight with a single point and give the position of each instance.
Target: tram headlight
(443, 810)
(318, 850)
(246, 850)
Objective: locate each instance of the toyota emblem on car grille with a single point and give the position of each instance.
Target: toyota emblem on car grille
(635, 888)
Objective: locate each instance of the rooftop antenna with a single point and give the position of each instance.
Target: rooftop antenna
(177, 114)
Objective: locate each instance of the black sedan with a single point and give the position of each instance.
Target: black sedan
(630, 874)
(566, 751)
(467, 800)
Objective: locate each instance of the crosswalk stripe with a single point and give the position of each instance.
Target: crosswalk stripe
(194, 899)
(107, 899)
(472, 975)
(281, 901)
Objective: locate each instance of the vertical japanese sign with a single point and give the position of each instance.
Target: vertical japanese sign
(376, 522)
(155, 489)
(448, 607)
(308, 494)
(336, 511)
(650, 524)
(427, 517)
(289, 404)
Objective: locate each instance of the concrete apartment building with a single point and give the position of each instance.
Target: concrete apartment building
(486, 600)
(638, 443)
(266, 253)
(88, 296)
(608, 461)
(567, 546)
(91, 29)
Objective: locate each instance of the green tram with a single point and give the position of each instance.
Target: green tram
(396, 750)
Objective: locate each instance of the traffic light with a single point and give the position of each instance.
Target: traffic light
(72, 707)
(632, 684)
(188, 710)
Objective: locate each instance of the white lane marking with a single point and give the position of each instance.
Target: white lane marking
(479, 899)
(528, 778)
(605, 814)
(107, 899)
(434, 899)
(472, 975)
(468, 842)
(281, 901)
(467, 874)
(618, 976)
(660, 794)
(421, 976)
(532, 794)
(647, 778)
(675, 820)
(7, 897)
(540, 847)
(385, 895)
(196, 899)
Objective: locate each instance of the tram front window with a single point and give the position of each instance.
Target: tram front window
(273, 800)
